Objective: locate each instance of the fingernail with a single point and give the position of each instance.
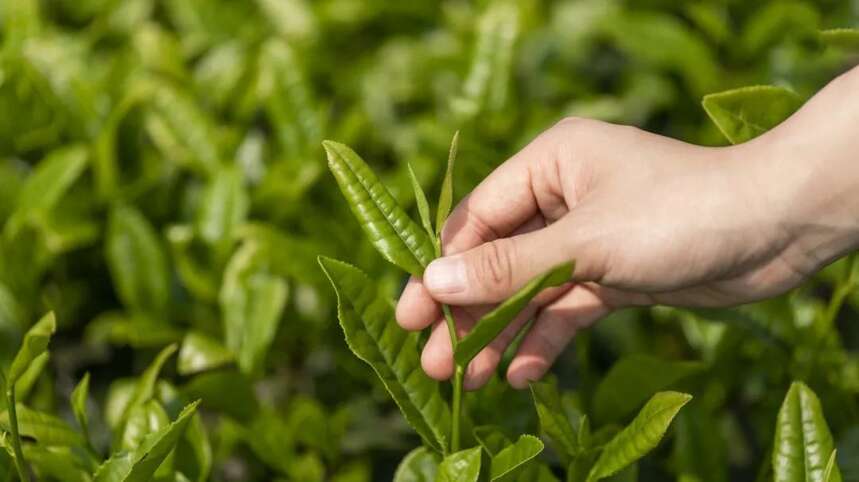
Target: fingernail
(445, 275)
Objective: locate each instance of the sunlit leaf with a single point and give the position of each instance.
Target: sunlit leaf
(399, 239)
(200, 352)
(374, 336)
(420, 465)
(639, 437)
(803, 443)
(462, 466)
(34, 344)
(137, 262)
(745, 113)
(140, 464)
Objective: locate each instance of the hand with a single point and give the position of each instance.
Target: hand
(649, 220)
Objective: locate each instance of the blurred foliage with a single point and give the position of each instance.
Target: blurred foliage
(164, 182)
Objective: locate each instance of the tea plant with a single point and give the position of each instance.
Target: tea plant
(144, 435)
(368, 322)
(163, 184)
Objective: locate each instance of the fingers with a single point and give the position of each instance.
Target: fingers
(493, 271)
(501, 202)
(416, 308)
(553, 329)
(437, 357)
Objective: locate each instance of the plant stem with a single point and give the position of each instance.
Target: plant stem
(457, 382)
(457, 408)
(16, 438)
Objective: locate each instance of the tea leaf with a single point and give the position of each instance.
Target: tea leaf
(462, 466)
(841, 38)
(510, 461)
(140, 464)
(419, 465)
(745, 113)
(831, 467)
(494, 322)
(46, 185)
(421, 201)
(374, 336)
(59, 463)
(388, 227)
(79, 399)
(553, 419)
(145, 386)
(491, 438)
(802, 439)
(200, 352)
(46, 429)
(137, 262)
(252, 301)
(143, 420)
(34, 344)
(445, 196)
(223, 208)
(639, 437)
(632, 380)
(196, 436)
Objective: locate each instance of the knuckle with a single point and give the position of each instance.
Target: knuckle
(493, 267)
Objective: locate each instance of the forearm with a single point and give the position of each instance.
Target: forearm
(810, 169)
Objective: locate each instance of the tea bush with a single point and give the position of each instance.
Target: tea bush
(165, 197)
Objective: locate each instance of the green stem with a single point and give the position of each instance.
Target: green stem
(457, 382)
(457, 409)
(16, 438)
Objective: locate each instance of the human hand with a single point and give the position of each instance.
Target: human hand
(649, 220)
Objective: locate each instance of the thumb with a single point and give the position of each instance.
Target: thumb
(493, 271)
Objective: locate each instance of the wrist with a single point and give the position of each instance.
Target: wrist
(809, 168)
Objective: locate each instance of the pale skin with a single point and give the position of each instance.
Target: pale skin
(649, 220)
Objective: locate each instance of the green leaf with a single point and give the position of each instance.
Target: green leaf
(46, 185)
(494, 322)
(144, 389)
(135, 329)
(745, 113)
(841, 38)
(181, 130)
(553, 419)
(491, 438)
(420, 465)
(639, 437)
(137, 262)
(389, 228)
(252, 301)
(56, 463)
(632, 380)
(373, 335)
(802, 439)
(510, 461)
(421, 201)
(223, 209)
(143, 420)
(34, 344)
(829, 475)
(200, 352)
(445, 196)
(196, 437)
(79, 399)
(462, 466)
(140, 464)
(488, 77)
(46, 429)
